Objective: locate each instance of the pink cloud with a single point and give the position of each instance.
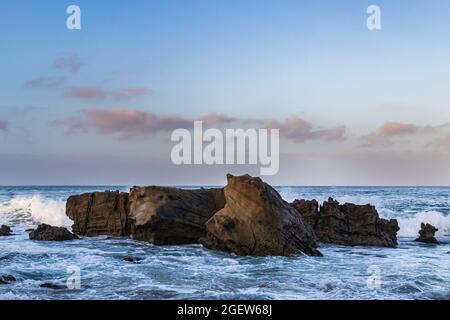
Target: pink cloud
(389, 130)
(129, 121)
(300, 130)
(93, 92)
(86, 93)
(71, 63)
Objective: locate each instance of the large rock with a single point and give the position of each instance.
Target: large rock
(5, 231)
(348, 224)
(257, 221)
(99, 213)
(426, 234)
(45, 232)
(171, 216)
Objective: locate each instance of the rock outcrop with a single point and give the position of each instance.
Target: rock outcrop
(348, 224)
(5, 231)
(45, 232)
(7, 279)
(257, 221)
(426, 234)
(99, 213)
(171, 216)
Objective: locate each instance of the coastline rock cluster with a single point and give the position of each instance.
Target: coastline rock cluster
(247, 217)
(348, 224)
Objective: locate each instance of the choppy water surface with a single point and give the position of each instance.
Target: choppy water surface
(410, 271)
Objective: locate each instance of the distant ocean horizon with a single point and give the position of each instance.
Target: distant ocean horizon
(410, 271)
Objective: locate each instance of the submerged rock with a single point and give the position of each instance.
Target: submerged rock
(348, 224)
(45, 232)
(49, 285)
(99, 213)
(257, 221)
(5, 231)
(426, 234)
(7, 279)
(132, 259)
(171, 216)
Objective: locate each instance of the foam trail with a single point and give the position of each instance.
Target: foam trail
(411, 226)
(36, 208)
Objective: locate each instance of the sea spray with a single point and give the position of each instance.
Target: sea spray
(35, 209)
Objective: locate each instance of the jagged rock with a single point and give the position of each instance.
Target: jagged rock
(257, 221)
(348, 224)
(5, 231)
(45, 232)
(7, 279)
(171, 216)
(49, 285)
(309, 210)
(426, 234)
(99, 213)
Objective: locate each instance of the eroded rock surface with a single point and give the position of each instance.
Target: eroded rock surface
(257, 221)
(348, 224)
(99, 213)
(171, 216)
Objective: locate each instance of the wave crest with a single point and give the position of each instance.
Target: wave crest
(35, 209)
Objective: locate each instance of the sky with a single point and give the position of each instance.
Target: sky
(97, 106)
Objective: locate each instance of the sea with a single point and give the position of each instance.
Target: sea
(94, 268)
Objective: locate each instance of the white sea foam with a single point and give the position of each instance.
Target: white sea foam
(37, 209)
(410, 226)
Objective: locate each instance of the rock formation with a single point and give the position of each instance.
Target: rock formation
(171, 216)
(257, 221)
(426, 234)
(99, 213)
(7, 279)
(348, 224)
(5, 231)
(45, 232)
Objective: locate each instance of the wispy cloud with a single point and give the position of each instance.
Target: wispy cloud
(4, 125)
(96, 93)
(300, 130)
(45, 82)
(70, 63)
(389, 130)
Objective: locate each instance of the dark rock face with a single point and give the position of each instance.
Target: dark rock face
(426, 234)
(170, 216)
(257, 221)
(7, 279)
(45, 232)
(99, 213)
(5, 231)
(309, 210)
(49, 285)
(348, 224)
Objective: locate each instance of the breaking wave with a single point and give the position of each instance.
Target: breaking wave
(410, 226)
(35, 209)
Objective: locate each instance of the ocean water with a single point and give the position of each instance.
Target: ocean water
(410, 271)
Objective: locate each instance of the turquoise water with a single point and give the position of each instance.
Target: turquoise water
(410, 271)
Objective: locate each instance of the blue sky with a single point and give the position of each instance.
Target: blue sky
(270, 60)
